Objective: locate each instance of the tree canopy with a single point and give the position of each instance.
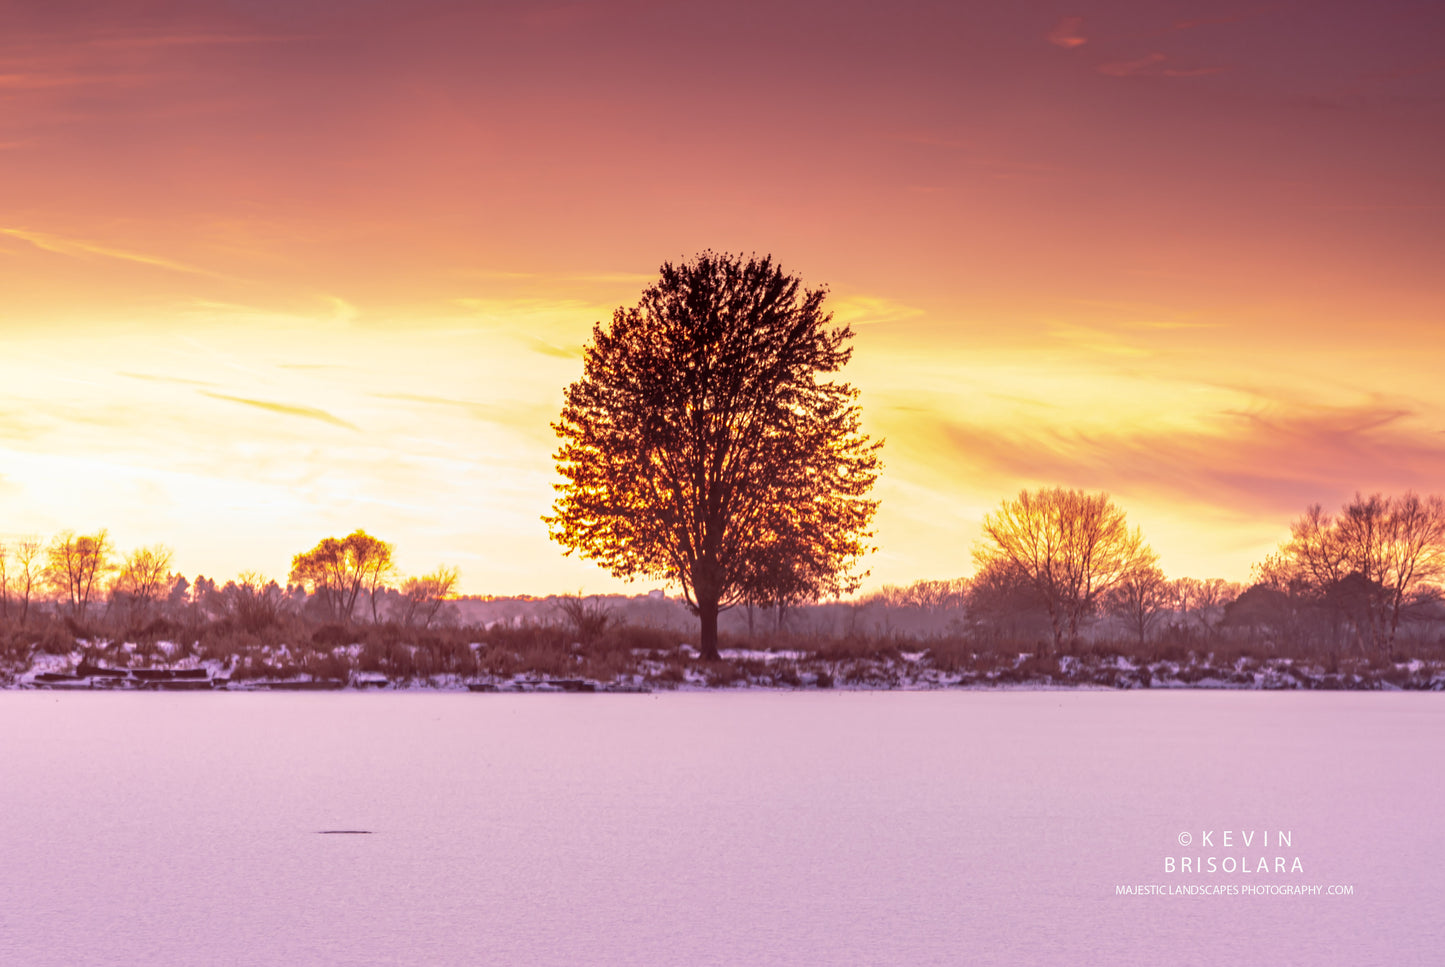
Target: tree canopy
(1071, 546)
(1369, 561)
(704, 446)
(336, 570)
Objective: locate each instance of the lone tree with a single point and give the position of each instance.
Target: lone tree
(336, 570)
(75, 567)
(1070, 546)
(702, 447)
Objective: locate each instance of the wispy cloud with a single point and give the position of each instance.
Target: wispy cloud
(78, 248)
(1270, 460)
(177, 380)
(1191, 71)
(286, 409)
(1127, 68)
(1150, 65)
(514, 415)
(1196, 22)
(864, 310)
(341, 310)
(1067, 34)
(548, 349)
(200, 39)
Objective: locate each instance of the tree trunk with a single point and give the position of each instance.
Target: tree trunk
(1058, 632)
(707, 613)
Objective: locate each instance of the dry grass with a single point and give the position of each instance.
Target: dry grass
(290, 645)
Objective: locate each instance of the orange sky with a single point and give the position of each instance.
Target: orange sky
(276, 270)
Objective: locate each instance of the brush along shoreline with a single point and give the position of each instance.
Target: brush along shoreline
(680, 669)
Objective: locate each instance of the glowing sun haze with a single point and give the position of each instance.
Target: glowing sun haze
(276, 270)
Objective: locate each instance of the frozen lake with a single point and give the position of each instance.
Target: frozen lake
(717, 828)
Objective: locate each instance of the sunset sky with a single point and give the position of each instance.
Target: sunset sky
(272, 270)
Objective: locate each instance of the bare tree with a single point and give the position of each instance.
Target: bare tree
(1140, 599)
(145, 575)
(336, 570)
(378, 571)
(1372, 558)
(1201, 602)
(1070, 545)
(76, 566)
(28, 551)
(1003, 603)
(587, 616)
(425, 595)
(251, 601)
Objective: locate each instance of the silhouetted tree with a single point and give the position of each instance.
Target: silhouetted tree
(144, 576)
(6, 578)
(1200, 603)
(336, 569)
(1140, 598)
(27, 572)
(75, 567)
(251, 601)
(1369, 561)
(1003, 603)
(588, 617)
(424, 596)
(1264, 607)
(1070, 545)
(378, 571)
(700, 445)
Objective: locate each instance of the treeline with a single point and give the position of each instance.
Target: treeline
(85, 583)
(1063, 567)
(1056, 571)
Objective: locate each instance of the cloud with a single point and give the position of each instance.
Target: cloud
(341, 310)
(1128, 68)
(149, 378)
(81, 249)
(183, 40)
(1191, 72)
(1270, 460)
(287, 409)
(520, 416)
(863, 310)
(547, 349)
(1147, 66)
(1213, 21)
(1066, 33)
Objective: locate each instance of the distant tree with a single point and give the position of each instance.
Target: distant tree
(204, 598)
(1071, 546)
(1371, 560)
(920, 604)
(6, 577)
(28, 572)
(588, 617)
(700, 445)
(379, 571)
(1140, 599)
(145, 575)
(1263, 607)
(336, 570)
(1200, 603)
(424, 596)
(76, 566)
(1002, 602)
(178, 597)
(252, 602)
